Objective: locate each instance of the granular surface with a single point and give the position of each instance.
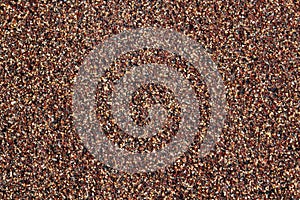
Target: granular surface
(255, 45)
